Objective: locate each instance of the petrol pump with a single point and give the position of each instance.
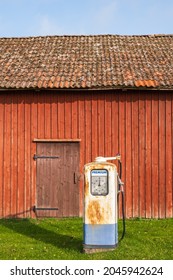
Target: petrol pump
(102, 185)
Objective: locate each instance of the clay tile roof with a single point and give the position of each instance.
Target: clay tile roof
(98, 61)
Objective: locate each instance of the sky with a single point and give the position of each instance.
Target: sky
(23, 18)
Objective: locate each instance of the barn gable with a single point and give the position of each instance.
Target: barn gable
(79, 97)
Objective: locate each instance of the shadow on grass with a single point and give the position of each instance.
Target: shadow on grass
(33, 230)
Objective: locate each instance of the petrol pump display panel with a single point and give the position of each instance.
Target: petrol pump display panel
(99, 182)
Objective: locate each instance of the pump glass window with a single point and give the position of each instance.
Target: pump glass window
(99, 182)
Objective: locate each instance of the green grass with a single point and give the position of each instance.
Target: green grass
(55, 239)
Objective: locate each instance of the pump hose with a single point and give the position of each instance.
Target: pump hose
(123, 216)
(123, 203)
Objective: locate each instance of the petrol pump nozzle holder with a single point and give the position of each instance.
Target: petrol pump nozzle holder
(104, 159)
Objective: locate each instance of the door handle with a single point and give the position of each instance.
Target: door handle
(78, 177)
(75, 178)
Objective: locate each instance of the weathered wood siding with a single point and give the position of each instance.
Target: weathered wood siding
(137, 124)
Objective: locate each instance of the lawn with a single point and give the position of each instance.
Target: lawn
(55, 239)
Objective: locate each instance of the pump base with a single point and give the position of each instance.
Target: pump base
(96, 249)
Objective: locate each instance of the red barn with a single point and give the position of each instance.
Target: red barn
(65, 100)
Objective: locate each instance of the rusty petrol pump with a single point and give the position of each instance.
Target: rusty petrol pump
(102, 185)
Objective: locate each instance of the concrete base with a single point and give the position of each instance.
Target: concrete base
(97, 249)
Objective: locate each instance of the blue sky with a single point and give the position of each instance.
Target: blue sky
(20, 18)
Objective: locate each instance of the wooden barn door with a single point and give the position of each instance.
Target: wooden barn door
(57, 189)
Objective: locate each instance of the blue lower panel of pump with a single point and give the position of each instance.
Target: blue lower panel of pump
(100, 235)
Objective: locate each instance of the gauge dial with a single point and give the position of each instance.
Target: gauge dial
(99, 182)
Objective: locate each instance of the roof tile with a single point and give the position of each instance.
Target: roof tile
(104, 61)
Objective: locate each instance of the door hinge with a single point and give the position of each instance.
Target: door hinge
(35, 157)
(44, 208)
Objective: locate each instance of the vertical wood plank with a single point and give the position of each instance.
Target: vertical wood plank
(47, 117)
(21, 156)
(41, 116)
(14, 162)
(148, 160)
(1, 155)
(115, 123)
(101, 125)
(142, 146)
(128, 149)
(135, 154)
(108, 125)
(47, 167)
(61, 175)
(7, 157)
(69, 183)
(81, 121)
(155, 155)
(74, 117)
(87, 111)
(76, 156)
(34, 134)
(122, 146)
(161, 163)
(169, 156)
(94, 126)
(68, 116)
(64, 190)
(54, 116)
(61, 116)
(40, 182)
(55, 180)
(27, 136)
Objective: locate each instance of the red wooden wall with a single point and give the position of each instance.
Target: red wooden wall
(138, 124)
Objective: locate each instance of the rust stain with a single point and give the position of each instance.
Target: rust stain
(95, 213)
(86, 186)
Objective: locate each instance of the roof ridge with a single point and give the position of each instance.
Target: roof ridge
(89, 35)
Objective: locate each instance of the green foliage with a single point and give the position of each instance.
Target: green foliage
(53, 239)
